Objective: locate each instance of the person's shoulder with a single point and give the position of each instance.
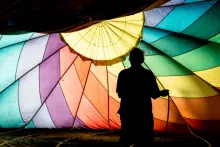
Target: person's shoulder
(124, 71)
(147, 71)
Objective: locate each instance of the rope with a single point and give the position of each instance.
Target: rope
(15, 139)
(60, 143)
(168, 112)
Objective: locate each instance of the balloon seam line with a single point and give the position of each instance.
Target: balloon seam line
(169, 98)
(170, 33)
(89, 43)
(182, 65)
(48, 95)
(108, 98)
(32, 69)
(81, 94)
(95, 107)
(162, 6)
(210, 8)
(22, 41)
(19, 108)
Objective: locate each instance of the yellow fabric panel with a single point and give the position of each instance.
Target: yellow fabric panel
(211, 75)
(159, 84)
(112, 87)
(134, 17)
(108, 39)
(115, 69)
(189, 86)
(161, 88)
(100, 73)
(131, 27)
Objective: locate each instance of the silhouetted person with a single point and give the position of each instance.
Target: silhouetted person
(136, 86)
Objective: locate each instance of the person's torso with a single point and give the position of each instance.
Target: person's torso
(137, 91)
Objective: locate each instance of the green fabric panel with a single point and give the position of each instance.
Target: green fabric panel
(193, 1)
(177, 44)
(153, 34)
(206, 26)
(203, 58)
(9, 57)
(148, 49)
(7, 40)
(9, 104)
(30, 125)
(162, 65)
(183, 16)
(126, 62)
(215, 38)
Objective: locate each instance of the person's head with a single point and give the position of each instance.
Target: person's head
(136, 57)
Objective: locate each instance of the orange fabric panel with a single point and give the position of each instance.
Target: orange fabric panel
(112, 86)
(97, 94)
(199, 108)
(113, 108)
(90, 116)
(82, 67)
(66, 59)
(205, 126)
(72, 89)
(114, 126)
(160, 109)
(100, 73)
(160, 127)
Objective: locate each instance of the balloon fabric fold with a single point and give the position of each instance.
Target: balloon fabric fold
(48, 82)
(55, 16)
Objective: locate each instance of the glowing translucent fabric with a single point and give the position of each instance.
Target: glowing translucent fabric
(182, 44)
(108, 39)
(44, 85)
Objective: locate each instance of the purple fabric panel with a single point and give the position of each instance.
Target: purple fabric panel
(174, 2)
(58, 109)
(49, 75)
(79, 124)
(155, 16)
(54, 44)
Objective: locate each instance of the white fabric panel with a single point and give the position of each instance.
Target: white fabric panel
(29, 94)
(30, 101)
(175, 2)
(43, 119)
(31, 55)
(155, 16)
(35, 35)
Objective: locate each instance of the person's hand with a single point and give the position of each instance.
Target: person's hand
(164, 92)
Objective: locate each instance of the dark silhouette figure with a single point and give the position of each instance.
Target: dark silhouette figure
(136, 86)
